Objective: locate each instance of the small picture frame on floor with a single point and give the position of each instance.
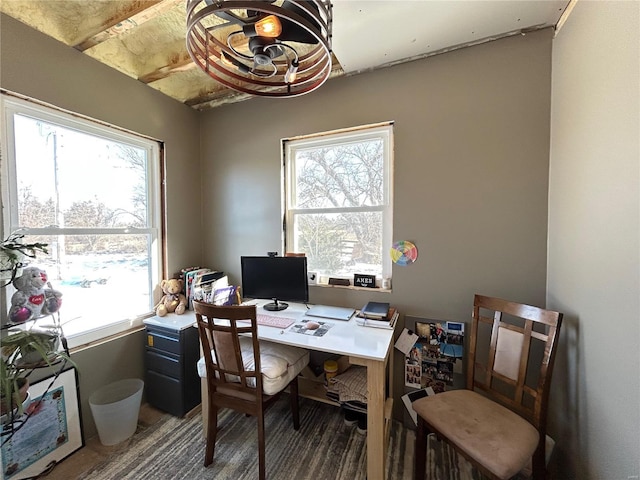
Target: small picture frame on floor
(48, 431)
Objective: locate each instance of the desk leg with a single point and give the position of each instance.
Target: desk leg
(205, 406)
(204, 399)
(376, 445)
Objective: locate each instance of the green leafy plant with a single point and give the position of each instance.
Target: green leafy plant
(22, 351)
(12, 252)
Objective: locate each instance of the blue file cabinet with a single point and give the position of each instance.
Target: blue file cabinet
(171, 354)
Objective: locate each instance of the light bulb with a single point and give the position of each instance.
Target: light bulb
(269, 26)
(292, 72)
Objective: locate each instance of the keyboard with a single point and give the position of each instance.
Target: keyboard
(273, 321)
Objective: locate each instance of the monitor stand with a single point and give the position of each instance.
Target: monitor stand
(275, 306)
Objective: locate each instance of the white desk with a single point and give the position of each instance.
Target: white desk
(365, 346)
(343, 338)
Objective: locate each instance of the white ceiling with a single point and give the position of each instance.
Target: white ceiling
(372, 33)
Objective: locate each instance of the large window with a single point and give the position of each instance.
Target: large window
(91, 192)
(338, 200)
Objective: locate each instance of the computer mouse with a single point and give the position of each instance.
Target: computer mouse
(312, 325)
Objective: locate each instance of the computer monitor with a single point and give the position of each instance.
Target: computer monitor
(276, 278)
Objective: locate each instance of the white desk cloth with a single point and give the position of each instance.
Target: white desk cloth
(279, 364)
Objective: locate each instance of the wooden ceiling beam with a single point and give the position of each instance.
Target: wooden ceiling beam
(225, 96)
(180, 62)
(135, 15)
(219, 95)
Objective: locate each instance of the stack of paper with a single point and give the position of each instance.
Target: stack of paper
(388, 321)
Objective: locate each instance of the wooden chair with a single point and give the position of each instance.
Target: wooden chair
(476, 421)
(242, 373)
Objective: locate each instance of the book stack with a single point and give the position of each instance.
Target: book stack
(199, 282)
(377, 315)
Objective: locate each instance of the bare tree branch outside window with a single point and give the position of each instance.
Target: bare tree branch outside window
(338, 197)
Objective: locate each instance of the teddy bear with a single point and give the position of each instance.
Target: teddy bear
(31, 299)
(173, 301)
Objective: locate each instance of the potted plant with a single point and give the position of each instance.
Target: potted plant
(14, 389)
(12, 253)
(22, 351)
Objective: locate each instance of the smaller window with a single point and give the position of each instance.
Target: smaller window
(339, 200)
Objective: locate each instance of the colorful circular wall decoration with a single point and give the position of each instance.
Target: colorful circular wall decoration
(403, 252)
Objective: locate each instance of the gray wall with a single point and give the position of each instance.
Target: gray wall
(472, 158)
(35, 65)
(471, 174)
(594, 240)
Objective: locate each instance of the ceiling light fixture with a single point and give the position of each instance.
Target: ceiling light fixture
(273, 48)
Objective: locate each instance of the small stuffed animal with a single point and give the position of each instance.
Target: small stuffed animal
(172, 300)
(31, 299)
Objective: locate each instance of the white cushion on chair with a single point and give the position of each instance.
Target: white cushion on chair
(279, 364)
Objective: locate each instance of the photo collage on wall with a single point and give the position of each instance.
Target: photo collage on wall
(435, 356)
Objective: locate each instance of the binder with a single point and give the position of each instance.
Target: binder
(375, 310)
(388, 323)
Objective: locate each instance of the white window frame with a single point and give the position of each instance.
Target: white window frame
(9, 106)
(383, 131)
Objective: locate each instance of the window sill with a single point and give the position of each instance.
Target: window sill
(110, 338)
(352, 287)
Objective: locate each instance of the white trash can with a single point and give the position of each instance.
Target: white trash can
(115, 408)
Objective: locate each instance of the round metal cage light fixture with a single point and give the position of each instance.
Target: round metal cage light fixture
(273, 48)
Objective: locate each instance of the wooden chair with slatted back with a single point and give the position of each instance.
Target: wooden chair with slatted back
(498, 422)
(236, 370)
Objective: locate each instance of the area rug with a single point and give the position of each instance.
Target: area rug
(323, 448)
